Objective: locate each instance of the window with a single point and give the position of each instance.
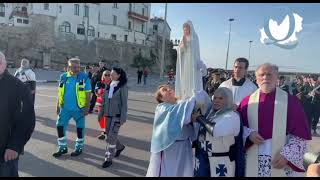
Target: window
(76, 9)
(155, 27)
(143, 11)
(60, 9)
(24, 9)
(98, 34)
(126, 38)
(2, 10)
(99, 17)
(19, 20)
(129, 25)
(91, 31)
(46, 6)
(114, 20)
(130, 7)
(146, 11)
(65, 27)
(113, 37)
(115, 5)
(25, 21)
(80, 29)
(142, 27)
(86, 11)
(142, 41)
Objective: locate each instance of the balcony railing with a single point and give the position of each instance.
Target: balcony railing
(138, 16)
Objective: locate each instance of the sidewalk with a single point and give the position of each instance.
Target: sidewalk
(153, 80)
(42, 75)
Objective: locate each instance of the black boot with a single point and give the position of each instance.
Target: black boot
(76, 152)
(119, 151)
(107, 164)
(102, 136)
(60, 152)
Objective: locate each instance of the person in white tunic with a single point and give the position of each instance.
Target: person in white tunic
(238, 83)
(171, 151)
(275, 128)
(220, 139)
(189, 68)
(27, 76)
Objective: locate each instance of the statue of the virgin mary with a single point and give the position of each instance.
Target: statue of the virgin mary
(189, 69)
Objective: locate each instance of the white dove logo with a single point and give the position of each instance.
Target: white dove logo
(283, 35)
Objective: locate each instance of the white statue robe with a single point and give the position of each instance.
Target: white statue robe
(189, 68)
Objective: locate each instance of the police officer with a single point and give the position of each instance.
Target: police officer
(73, 102)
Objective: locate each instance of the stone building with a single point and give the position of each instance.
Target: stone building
(52, 32)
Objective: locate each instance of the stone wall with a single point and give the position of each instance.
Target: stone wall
(44, 49)
(114, 52)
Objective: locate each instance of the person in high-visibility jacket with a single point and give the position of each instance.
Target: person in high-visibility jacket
(74, 95)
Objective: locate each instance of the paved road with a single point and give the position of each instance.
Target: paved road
(135, 134)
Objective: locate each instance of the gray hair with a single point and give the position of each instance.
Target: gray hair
(25, 63)
(227, 94)
(74, 60)
(273, 66)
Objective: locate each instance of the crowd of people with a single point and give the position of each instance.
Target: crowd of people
(302, 86)
(252, 126)
(79, 94)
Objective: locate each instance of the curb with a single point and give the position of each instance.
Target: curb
(46, 81)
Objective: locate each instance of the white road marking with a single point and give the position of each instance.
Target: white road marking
(38, 107)
(44, 95)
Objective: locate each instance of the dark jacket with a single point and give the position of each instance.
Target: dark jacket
(285, 88)
(140, 72)
(17, 116)
(96, 77)
(211, 88)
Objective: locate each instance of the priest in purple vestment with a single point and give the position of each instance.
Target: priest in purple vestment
(290, 157)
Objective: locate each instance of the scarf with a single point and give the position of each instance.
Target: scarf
(112, 86)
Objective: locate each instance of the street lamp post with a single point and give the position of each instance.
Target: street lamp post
(249, 48)
(163, 44)
(230, 20)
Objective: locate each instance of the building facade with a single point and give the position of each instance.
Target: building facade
(85, 21)
(14, 14)
(158, 28)
(47, 33)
